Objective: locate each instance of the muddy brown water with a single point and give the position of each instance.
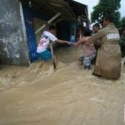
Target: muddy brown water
(69, 96)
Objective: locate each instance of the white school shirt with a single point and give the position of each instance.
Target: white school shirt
(45, 40)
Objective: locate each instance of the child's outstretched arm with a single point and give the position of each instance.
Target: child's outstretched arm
(81, 41)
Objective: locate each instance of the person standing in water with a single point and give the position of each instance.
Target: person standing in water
(45, 40)
(89, 51)
(96, 28)
(108, 63)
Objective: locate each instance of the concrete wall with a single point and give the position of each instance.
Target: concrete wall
(13, 40)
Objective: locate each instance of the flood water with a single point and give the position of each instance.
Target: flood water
(37, 95)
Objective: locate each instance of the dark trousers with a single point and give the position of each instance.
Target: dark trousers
(94, 59)
(122, 46)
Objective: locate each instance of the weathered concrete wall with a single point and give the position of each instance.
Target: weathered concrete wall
(13, 40)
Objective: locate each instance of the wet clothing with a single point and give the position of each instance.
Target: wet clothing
(42, 51)
(86, 60)
(122, 45)
(88, 49)
(89, 53)
(45, 55)
(108, 63)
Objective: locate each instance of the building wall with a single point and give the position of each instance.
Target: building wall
(29, 15)
(17, 34)
(13, 45)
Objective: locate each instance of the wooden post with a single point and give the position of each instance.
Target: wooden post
(48, 22)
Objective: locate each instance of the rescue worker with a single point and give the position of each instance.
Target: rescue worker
(96, 28)
(108, 63)
(122, 42)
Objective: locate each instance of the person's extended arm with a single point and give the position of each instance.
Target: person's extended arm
(62, 41)
(81, 41)
(54, 39)
(96, 37)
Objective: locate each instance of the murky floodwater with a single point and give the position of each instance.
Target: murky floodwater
(69, 96)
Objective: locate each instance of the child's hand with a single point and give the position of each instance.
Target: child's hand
(69, 43)
(76, 44)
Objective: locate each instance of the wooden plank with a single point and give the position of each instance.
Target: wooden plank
(37, 24)
(48, 22)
